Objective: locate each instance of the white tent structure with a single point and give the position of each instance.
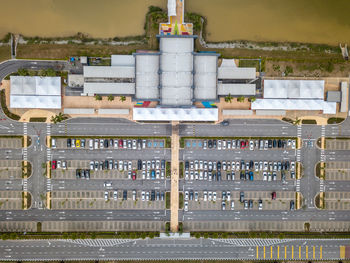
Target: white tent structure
(35, 92)
(293, 89)
(175, 114)
(295, 104)
(122, 60)
(109, 72)
(205, 76)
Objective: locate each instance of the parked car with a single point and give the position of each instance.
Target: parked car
(53, 164)
(53, 143)
(186, 206)
(69, 143)
(273, 196)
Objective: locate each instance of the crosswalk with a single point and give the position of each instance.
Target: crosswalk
(48, 133)
(100, 242)
(298, 155)
(299, 132)
(298, 185)
(25, 185)
(25, 154)
(25, 132)
(48, 185)
(322, 187)
(244, 242)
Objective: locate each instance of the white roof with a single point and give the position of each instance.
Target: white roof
(228, 63)
(237, 112)
(175, 114)
(123, 88)
(35, 102)
(176, 64)
(147, 76)
(344, 97)
(26, 85)
(113, 111)
(295, 104)
(236, 89)
(79, 111)
(75, 80)
(236, 73)
(205, 77)
(35, 92)
(109, 72)
(294, 89)
(171, 7)
(122, 60)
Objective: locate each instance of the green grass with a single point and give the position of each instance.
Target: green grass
(167, 200)
(181, 200)
(248, 63)
(37, 119)
(318, 171)
(5, 109)
(168, 169)
(29, 169)
(335, 120)
(309, 122)
(181, 170)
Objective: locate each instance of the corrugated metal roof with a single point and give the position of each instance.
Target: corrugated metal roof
(147, 76)
(92, 88)
(344, 97)
(236, 73)
(270, 112)
(171, 7)
(123, 60)
(79, 111)
(109, 72)
(114, 111)
(175, 114)
(205, 77)
(237, 112)
(35, 102)
(236, 89)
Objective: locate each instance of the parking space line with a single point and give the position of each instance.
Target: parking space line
(307, 252)
(320, 252)
(278, 251)
(264, 252)
(313, 252)
(257, 252)
(292, 252)
(299, 252)
(342, 252)
(271, 251)
(285, 252)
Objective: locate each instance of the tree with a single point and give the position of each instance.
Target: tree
(240, 99)
(122, 98)
(22, 72)
(58, 118)
(252, 99)
(228, 98)
(297, 122)
(98, 97)
(110, 97)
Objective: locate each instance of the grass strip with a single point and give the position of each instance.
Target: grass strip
(5, 109)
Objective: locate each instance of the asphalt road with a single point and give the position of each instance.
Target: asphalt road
(171, 249)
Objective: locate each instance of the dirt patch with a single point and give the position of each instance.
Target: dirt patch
(5, 53)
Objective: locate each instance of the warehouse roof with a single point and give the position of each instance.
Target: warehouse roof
(109, 72)
(294, 89)
(226, 72)
(236, 89)
(109, 88)
(205, 77)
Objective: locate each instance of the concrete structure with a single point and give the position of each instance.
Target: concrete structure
(344, 96)
(237, 112)
(114, 111)
(79, 111)
(175, 114)
(236, 89)
(76, 80)
(109, 88)
(333, 96)
(35, 92)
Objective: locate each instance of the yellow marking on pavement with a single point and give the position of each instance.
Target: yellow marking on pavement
(299, 251)
(285, 252)
(320, 252)
(313, 252)
(307, 254)
(264, 252)
(292, 252)
(342, 251)
(257, 252)
(278, 251)
(271, 251)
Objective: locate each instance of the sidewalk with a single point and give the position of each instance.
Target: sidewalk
(174, 196)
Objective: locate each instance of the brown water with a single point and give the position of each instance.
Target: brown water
(318, 21)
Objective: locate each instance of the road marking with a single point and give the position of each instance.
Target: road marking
(271, 251)
(342, 252)
(285, 252)
(299, 252)
(278, 251)
(313, 252)
(264, 252)
(292, 252)
(320, 252)
(257, 252)
(307, 252)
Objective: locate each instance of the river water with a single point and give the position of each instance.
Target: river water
(315, 21)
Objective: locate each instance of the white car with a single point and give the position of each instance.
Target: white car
(116, 143)
(58, 164)
(210, 196)
(251, 145)
(264, 176)
(232, 205)
(224, 144)
(238, 166)
(187, 194)
(205, 196)
(293, 144)
(115, 195)
(186, 206)
(214, 196)
(292, 166)
(233, 144)
(106, 195)
(134, 144)
(228, 196)
(143, 196)
(219, 144)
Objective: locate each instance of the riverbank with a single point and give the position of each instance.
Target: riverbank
(295, 59)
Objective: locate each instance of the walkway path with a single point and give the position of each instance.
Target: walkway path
(174, 202)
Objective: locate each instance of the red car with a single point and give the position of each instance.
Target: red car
(54, 165)
(242, 144)
(246, 144)
(120, 143)
(273, 196)
(133, 175)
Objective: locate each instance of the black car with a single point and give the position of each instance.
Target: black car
(210, 144)
(106, 165)
(291, 205)
(153, 195)
(77, 173)
(219, 166)
(214, 176)
(250, 203)
(246, 175)
(125, 195)
(139, 144)
(162, 196)
(279, 144)
(191, 195)
(274, 143)
(139, 165)
(214, 143)
(162, 164)
(251, 165)
(111, 142)
(187, 165)
(241, 197)
(225, 123)
(219, 176)
(287, 165)
(87, 174)
(69, 143)
(242, 176)
(270, 143)
(105, 143)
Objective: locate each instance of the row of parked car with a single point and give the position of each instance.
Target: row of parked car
(103, 143)
(145, 195)
(58, 164)
(251, 144)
